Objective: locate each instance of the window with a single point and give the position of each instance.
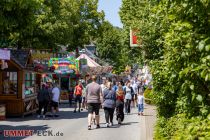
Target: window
(10, 83)
(30, 81)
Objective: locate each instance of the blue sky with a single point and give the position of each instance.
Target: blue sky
(111, 9)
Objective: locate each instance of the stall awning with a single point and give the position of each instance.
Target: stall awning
(90, 62)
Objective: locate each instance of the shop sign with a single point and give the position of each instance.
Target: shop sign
(134, 40)
(64, 65)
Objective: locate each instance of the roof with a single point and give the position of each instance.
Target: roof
(90, 62)
(20, 57)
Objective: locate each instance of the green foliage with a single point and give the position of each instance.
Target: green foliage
(113, 46)
(49, 23)
(176, 40)
(180, 127)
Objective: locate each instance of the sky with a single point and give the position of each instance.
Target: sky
(111, 9)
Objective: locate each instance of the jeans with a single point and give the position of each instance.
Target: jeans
(109, 113)
(140, 107)
(119, 110)
(128, 106)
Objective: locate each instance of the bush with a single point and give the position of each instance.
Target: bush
(179, 127)
(149, 96)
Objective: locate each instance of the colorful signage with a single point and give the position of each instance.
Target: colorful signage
(64, 65)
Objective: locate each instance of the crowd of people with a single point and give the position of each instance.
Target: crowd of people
(119, 96)
(113, 96)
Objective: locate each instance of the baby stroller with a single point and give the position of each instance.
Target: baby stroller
(119, 111)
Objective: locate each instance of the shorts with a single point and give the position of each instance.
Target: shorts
(54, 104)
(132, 97)
(94, 107)
(135, 96)
(78, 98)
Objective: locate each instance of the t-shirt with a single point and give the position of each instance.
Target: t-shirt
(135, 88)
(115, 88)
(56, 94)
(103, 87)
(128, 93)
(93, 91)
(78, 90)
(140, 99)
(120, 95)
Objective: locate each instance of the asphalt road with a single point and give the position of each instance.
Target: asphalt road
(73, 126)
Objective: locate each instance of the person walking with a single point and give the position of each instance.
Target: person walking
(134, 93)
(84, 105)
(140, 103)
(114, 86)
(94, 99)
(71, 95)
(109, 104)
(103, 85)
(128, 97)
(78, 96)
(43, 99)
(55, 100)
(120, 103)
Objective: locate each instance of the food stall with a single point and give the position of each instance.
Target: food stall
(18, 89)
(66, 73)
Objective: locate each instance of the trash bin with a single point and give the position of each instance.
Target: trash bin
(2, 112)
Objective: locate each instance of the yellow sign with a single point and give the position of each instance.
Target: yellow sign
(40, 56)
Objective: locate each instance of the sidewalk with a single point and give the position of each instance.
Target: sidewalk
(148, 122)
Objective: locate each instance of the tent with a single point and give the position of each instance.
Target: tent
(90, 62)
(92, 67)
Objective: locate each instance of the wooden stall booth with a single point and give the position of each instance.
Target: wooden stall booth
(18, 90)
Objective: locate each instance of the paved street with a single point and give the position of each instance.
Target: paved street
(74, 126)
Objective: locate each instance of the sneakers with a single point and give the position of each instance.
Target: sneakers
(97, 126)
(89, 127)
(107, 124)
(111, 124)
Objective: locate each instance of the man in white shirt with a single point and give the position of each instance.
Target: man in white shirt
(55, 100)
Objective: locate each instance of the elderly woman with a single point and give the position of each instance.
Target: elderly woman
(109, 104)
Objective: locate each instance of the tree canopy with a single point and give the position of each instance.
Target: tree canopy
(175, 41)
(48, 23)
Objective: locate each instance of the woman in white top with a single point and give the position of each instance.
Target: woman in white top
(128, 97)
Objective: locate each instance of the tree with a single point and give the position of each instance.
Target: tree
(17, 20)
(49, 23)
(176, 42)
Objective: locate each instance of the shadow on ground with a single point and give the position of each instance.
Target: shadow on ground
(65, 112)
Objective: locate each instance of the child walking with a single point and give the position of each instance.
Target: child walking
(140, 103)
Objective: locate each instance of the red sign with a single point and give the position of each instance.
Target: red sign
(134, 39)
